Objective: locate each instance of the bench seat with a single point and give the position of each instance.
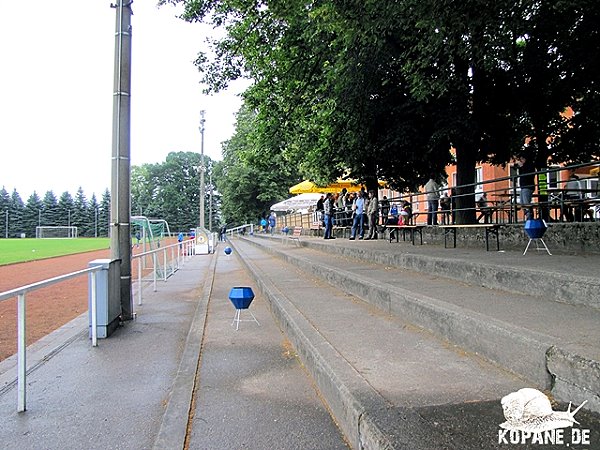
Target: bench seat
(489, 228)
(413, 229)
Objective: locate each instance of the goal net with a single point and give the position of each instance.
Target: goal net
(48, 232)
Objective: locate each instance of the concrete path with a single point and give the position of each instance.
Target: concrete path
(136, 390)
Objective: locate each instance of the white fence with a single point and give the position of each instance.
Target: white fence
(165, 261)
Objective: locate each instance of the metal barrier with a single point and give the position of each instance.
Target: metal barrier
(502, 204)
(20, 293)
(178, 253)
(241, 229)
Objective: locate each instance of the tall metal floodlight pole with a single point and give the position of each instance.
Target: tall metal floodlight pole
(120, 240)
(202, 169)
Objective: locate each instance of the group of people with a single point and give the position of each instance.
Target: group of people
(361, 212)
(267, 225)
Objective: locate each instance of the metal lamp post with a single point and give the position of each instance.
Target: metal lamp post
(202, 169)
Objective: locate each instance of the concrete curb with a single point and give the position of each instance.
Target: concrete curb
(576, 379)
(173, 428)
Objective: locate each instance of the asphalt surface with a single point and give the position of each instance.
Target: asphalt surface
(245, 388)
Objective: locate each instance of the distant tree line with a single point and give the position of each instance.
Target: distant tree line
(169, 190)
(89, 216)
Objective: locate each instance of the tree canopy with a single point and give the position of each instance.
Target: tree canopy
(369, 89)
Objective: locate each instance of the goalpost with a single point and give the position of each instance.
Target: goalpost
(48, 232)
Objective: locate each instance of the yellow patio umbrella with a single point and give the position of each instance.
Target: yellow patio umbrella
(306, 187)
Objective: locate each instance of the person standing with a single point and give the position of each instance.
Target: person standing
(445, 207)
(385, 209)
(527, 184)
(272, 222)
(358, 208)
(373, 215)
(572, 210)
(432, 190)
(328, 208)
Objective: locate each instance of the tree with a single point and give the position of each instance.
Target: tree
(66, 207)
(32, 214)
(92, 219)
(104, 214)
(170, 190)
(4, 210)
(51, 212)
(80, 216)
(369, 88)
(249, 184)
(16, 210)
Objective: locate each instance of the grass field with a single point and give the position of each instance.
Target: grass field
(21, 250)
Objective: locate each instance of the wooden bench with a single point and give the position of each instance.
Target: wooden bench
(490, 228)
(296, 233)
(413, 229)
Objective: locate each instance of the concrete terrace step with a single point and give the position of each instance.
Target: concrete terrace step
(555, 345)
(388, 384)
(566, 278)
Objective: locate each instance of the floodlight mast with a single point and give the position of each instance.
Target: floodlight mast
(202, 169)
(120, 240)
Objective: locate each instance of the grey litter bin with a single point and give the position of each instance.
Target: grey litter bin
(108, 296)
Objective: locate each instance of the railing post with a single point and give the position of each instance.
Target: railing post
(165, 264)
(139, 281)
(21, 355)
(154, 271)
(93, 312)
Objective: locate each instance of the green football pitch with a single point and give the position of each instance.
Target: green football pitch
(21, 250)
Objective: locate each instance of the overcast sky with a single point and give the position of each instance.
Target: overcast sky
(56, 87)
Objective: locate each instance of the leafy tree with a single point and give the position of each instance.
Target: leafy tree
(368, 88)
(247, 181)
(170, 190)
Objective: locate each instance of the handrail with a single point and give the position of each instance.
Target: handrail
(185, 247)
(21, 292)
(21, 323)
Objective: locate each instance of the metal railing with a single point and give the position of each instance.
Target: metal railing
(178, 253)
(503, 203)
(241, 229)
(173, 256)
(20, 293)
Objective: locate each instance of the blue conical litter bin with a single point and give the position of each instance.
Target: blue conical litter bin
(241, 297)
(535, 229)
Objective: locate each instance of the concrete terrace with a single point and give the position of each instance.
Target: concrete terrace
(362, 344)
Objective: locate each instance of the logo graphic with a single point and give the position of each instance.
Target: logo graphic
(531, 419)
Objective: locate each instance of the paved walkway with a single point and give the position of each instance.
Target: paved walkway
(134, 391)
